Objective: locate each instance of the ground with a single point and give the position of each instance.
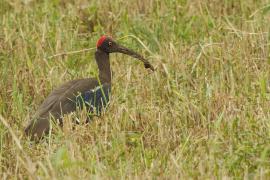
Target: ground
(204, 113)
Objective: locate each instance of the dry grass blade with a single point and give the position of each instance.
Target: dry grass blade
(140, 41)
(30, 166)
(70, 53)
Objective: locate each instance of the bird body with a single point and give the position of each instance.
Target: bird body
(93, 93)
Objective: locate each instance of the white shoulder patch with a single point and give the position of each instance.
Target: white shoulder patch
(96, 88)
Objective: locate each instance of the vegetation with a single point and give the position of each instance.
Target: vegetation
(204, 112)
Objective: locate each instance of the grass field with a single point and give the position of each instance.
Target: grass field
(203, 114)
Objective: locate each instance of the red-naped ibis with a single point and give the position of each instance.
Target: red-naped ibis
(91, 92)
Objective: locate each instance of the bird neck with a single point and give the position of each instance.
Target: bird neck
(103, 62)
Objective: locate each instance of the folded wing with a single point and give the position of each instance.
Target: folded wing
(66, 99)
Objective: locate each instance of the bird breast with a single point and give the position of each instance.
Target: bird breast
(95, 99)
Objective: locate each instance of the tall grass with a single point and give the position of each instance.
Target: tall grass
(203, 114)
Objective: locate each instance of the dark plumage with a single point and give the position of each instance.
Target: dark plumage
(90, 92)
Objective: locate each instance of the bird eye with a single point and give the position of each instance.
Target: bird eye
(110, 43)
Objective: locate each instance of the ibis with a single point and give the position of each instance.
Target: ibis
(92, 93)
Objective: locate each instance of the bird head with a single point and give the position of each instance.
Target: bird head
(108, 45)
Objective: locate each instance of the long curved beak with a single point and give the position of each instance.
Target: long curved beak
(132, 53)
